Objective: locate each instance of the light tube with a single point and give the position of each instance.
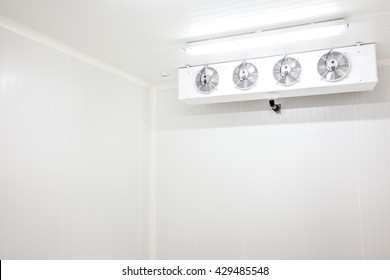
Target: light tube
(266, 38)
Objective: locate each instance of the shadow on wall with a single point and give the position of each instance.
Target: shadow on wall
(321, 108)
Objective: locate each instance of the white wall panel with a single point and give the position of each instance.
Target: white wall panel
(31, 149)
(299, 183)
(72, 174)
(197, 195)
(373, 145)
(239, 181)
(102, 176)
(144, 156)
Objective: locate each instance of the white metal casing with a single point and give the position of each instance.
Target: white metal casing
(361, 77)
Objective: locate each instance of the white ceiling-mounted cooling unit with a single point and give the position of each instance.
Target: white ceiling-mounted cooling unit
(346, 69)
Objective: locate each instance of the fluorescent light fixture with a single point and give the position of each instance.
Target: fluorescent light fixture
(228, 23)
(270, 37)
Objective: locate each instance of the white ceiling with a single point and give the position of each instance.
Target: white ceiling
(146, 37)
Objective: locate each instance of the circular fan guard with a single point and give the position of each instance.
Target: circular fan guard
(207, 80)
(333, 66)
(245, 75)
(287, 71)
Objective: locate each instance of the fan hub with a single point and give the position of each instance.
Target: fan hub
(286, 70)
(332, 65)
(243, 75)
(205, 79)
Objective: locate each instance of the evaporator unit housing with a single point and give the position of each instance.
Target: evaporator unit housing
(346, 69)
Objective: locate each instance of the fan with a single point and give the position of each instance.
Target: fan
(245, 75)
(207, 80)
(333, 66)
(287, 71)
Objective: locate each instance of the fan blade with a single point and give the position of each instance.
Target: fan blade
(298, 68)
(337, 75)
(294, 75)
(330, 76)
(342, 60)
(292, 62)
(341, 71)
(345, 69)
(288, 80)
(346, 63)
(339, 56)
